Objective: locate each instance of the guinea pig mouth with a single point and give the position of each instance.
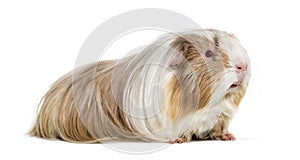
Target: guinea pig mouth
(234, 86)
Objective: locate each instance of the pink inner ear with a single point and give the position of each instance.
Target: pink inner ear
(178, 59)
(181, 52)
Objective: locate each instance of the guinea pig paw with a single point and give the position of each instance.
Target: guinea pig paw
(227, 137)
(178, 140)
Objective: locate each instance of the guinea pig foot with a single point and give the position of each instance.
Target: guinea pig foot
(227, 137)
(178, 140)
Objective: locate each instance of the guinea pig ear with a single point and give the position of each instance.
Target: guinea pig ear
(181, 46)
(179, 59)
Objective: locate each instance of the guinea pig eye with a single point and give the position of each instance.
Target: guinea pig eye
(208, 54)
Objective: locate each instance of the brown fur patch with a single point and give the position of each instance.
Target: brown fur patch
(235, 98)
(174, 99)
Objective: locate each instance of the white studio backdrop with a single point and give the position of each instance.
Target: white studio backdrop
(39, 42)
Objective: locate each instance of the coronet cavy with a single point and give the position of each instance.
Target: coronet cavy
(181, 87)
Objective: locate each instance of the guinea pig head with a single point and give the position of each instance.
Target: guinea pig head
(238, 73)
(212, 66)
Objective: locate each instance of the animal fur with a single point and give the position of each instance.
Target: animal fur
(152, 96)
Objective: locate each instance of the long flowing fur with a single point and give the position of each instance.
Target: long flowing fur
(143, 97)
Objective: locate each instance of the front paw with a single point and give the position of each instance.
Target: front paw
(222, 136)
(227, 137)
(178, 140)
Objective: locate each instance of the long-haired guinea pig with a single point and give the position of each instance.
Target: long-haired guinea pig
(181, 87)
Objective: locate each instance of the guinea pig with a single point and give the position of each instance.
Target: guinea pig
(181, 87)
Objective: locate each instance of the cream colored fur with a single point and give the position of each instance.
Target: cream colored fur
(144, 97)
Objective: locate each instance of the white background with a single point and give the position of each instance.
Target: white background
(39, 42)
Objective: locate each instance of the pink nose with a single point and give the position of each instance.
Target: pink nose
(241, 67)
